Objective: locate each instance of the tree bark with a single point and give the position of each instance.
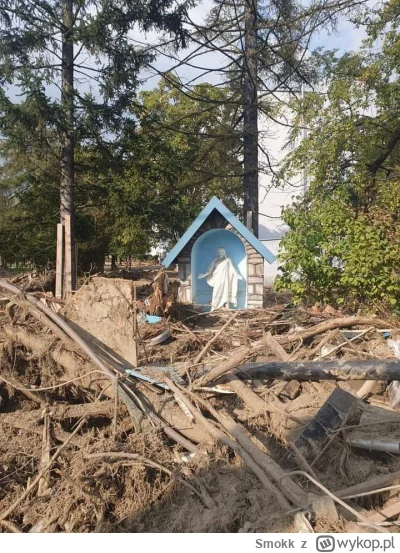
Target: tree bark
(67, 184)
(250, 118)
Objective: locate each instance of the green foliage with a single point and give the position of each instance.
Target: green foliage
(56, 112)
(332, 255)
(344, 238)
(187, 152)
(146, 187)
(106, 63)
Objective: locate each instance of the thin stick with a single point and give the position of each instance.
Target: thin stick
(335, 498)
(372, 492)
(28, 392)
(370, 485)
(347, 341)
(115, 407)
(59, 260)
(135, 348)
(302, 461)
(46, 448)
(214, 338)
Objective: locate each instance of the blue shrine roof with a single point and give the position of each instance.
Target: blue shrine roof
(215, 203)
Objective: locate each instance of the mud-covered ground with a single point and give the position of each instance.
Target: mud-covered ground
(73, 457)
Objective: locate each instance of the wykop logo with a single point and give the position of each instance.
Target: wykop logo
(325, 544)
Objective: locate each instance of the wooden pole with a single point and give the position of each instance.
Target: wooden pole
(76, 265)
(68, 278)
(59, 260)
(135, 348)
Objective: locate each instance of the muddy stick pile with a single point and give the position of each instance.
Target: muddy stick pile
(197, 437)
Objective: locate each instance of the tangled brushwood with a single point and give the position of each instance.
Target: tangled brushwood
(187, 442)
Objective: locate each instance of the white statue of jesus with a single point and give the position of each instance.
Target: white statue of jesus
(222, 276)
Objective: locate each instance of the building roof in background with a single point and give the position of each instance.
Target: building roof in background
(216, 204)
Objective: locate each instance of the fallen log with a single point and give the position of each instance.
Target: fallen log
(365, 369)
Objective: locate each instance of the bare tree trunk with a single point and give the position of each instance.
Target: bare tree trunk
(250, 118)
(67, 184)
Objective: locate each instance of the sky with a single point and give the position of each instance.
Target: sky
(345, 38)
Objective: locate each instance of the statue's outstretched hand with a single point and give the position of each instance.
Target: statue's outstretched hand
(201, 275)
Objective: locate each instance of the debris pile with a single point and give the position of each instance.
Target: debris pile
(277, 419)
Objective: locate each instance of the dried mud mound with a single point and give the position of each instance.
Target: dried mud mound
(103, 309)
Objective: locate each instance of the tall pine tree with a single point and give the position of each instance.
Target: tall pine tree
(69, 72)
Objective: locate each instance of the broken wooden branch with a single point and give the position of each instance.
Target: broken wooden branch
(31, 394)
(370, 485)
(214, 338)
(226, 366)
(280, 353)
(342, 322)
(347, 341)
(336, 499)
(43, 486)
(366, 389)
(276, 348)
(253, 456)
